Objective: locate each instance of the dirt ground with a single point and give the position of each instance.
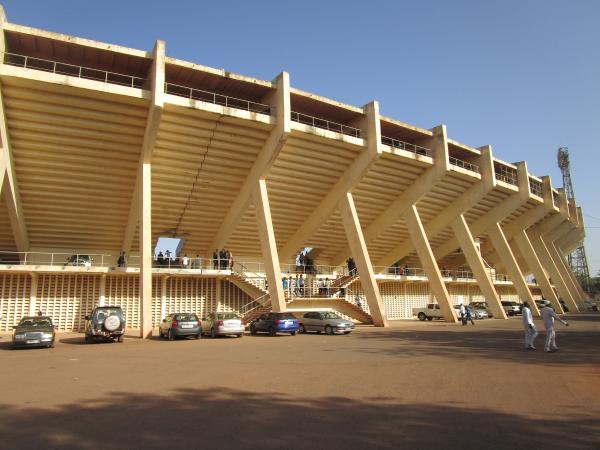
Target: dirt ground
(415, 386)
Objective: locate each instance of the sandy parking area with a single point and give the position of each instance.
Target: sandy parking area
(415, 385)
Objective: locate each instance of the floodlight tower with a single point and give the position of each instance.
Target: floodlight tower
(577, 259)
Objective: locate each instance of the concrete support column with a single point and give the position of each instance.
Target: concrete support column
(145, 215)
(557, 279)
(465, 239)
(163, 297)
(534, 264)
(33, 295)
(566, 273)
(102, 299)
(360, 253)
(269, 246)
(509, 261)
(219, 294)
(421, 245)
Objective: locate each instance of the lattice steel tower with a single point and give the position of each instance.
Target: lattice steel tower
(577, 259)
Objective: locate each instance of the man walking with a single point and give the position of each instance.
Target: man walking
(530, 330)
(548, 316)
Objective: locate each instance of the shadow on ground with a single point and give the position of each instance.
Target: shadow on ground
(228, 418)
(577, 343)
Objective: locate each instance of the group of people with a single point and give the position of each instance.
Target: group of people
(548, 316)
(398, 269)
(185, 262)
(222, 259)
(298, 286)
(466, 315)
(305, 264)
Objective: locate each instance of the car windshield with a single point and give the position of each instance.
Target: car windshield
(228, 316)
(187, 317)
(330, 315)
(35, 322)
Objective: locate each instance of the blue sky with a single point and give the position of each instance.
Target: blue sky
(522, 76)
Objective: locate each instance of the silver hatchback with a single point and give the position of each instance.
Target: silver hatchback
(325, 321)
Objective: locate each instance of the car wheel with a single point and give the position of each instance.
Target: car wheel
(240, 335)
(120, 338)
(160, 333)
(170, 335)
(347, 332)
(51, 345)
(212, 333)
(197, 336)
(328, 329)
(430, 318)
(252, 330)
(293, 333)
(272, 331)
(422, 316)
(87, 339)
(302, 329)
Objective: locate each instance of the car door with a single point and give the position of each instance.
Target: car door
(260, 322)
(307, 321)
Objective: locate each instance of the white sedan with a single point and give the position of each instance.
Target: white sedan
(222, 324)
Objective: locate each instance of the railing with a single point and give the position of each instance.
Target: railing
(417, 150)
(500, 277)
(536, 187)
(325, 124)
(217, 99)
(88, 73)
(255, 304)
(506, 174)
(64, 259)
(463, 164)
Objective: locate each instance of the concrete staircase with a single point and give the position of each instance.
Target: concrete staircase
(343, 281)
(246, 285)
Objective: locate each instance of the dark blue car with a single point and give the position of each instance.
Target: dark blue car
(274, 323)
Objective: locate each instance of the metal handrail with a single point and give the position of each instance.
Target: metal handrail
(325, 124)
(506, 174)
(217, 99)
(463, 164)
(244, 311)
(536, 187)
(89, 73)
(416, 149)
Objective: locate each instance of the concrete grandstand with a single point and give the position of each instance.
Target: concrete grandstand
(106, 149)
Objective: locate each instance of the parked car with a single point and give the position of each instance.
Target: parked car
(34, 332)
(431, 311)
(180, 325)
(482, 306)
(326, 321)
(105, 323)
(79, 260)
(590, 305)
(223, 324)
(511, 308)
(479, 313)
(274, 323)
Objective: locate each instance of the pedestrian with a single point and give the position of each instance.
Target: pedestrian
(463, 314)
(185, 261)
(40, 313)
(469, 316)
(285, 284)
(530, 330)
(301, 285)
(548, 315)
(121, 262)
(216, 259)
(230, 259)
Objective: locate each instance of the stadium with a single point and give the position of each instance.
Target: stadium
(107, 149)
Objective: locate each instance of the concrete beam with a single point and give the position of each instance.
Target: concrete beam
(268, 245)
(533, 262)
(470, 198)
(363, 262)
(280, 100)
(509, 261)
(157, 80)
(420, 187)
(497, 214)
(350, 178)
(421, 244)
(467, 244)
